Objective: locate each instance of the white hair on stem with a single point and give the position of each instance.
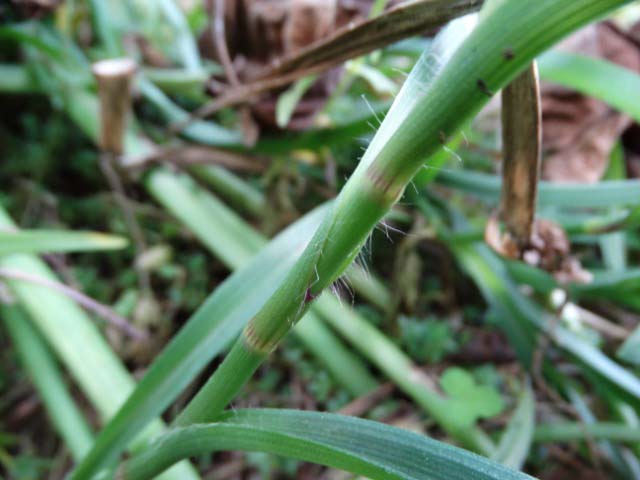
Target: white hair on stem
(419, 81)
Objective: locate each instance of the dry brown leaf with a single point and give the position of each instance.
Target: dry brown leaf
(258, 32)
(579, 132)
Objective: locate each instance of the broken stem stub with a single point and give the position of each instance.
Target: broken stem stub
(521, 138)
(114, 77)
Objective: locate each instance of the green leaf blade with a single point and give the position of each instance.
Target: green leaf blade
(515, 443)
(360, 446)
(597, 78)
(48, 241)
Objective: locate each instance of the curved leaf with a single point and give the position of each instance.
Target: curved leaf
(364, 447)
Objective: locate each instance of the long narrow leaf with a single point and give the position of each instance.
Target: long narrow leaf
(602, 194)
(363, 447)
(565, 432)
(47, 241)
(78, 343)
(63, 412)
(594, 77)
(525, 313)
(515, 442)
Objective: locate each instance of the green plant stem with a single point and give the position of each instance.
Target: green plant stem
(229, 238)
(235, 243)
(478, 67)
(47, 378)
(82, 106)
(571, 431)
(245, 197)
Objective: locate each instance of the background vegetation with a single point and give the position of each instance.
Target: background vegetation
(237, 191)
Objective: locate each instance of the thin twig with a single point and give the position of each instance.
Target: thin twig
(189, 155)
(602, 325)
(103, 311)
(249, 127)
(220, 42)
(242, 94)
(115, 183)
(363, 404)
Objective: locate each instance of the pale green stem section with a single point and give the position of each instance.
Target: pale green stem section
(476, 69)
(570, 431)
(50, 385)
(364, 447)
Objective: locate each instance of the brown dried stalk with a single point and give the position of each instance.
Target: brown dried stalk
(114, 79)
(522, 139)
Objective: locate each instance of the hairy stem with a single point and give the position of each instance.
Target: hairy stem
(480, 66)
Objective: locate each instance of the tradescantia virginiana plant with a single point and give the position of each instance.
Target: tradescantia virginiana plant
(423, 117)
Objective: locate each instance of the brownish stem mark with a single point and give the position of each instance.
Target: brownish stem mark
(522, 138)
